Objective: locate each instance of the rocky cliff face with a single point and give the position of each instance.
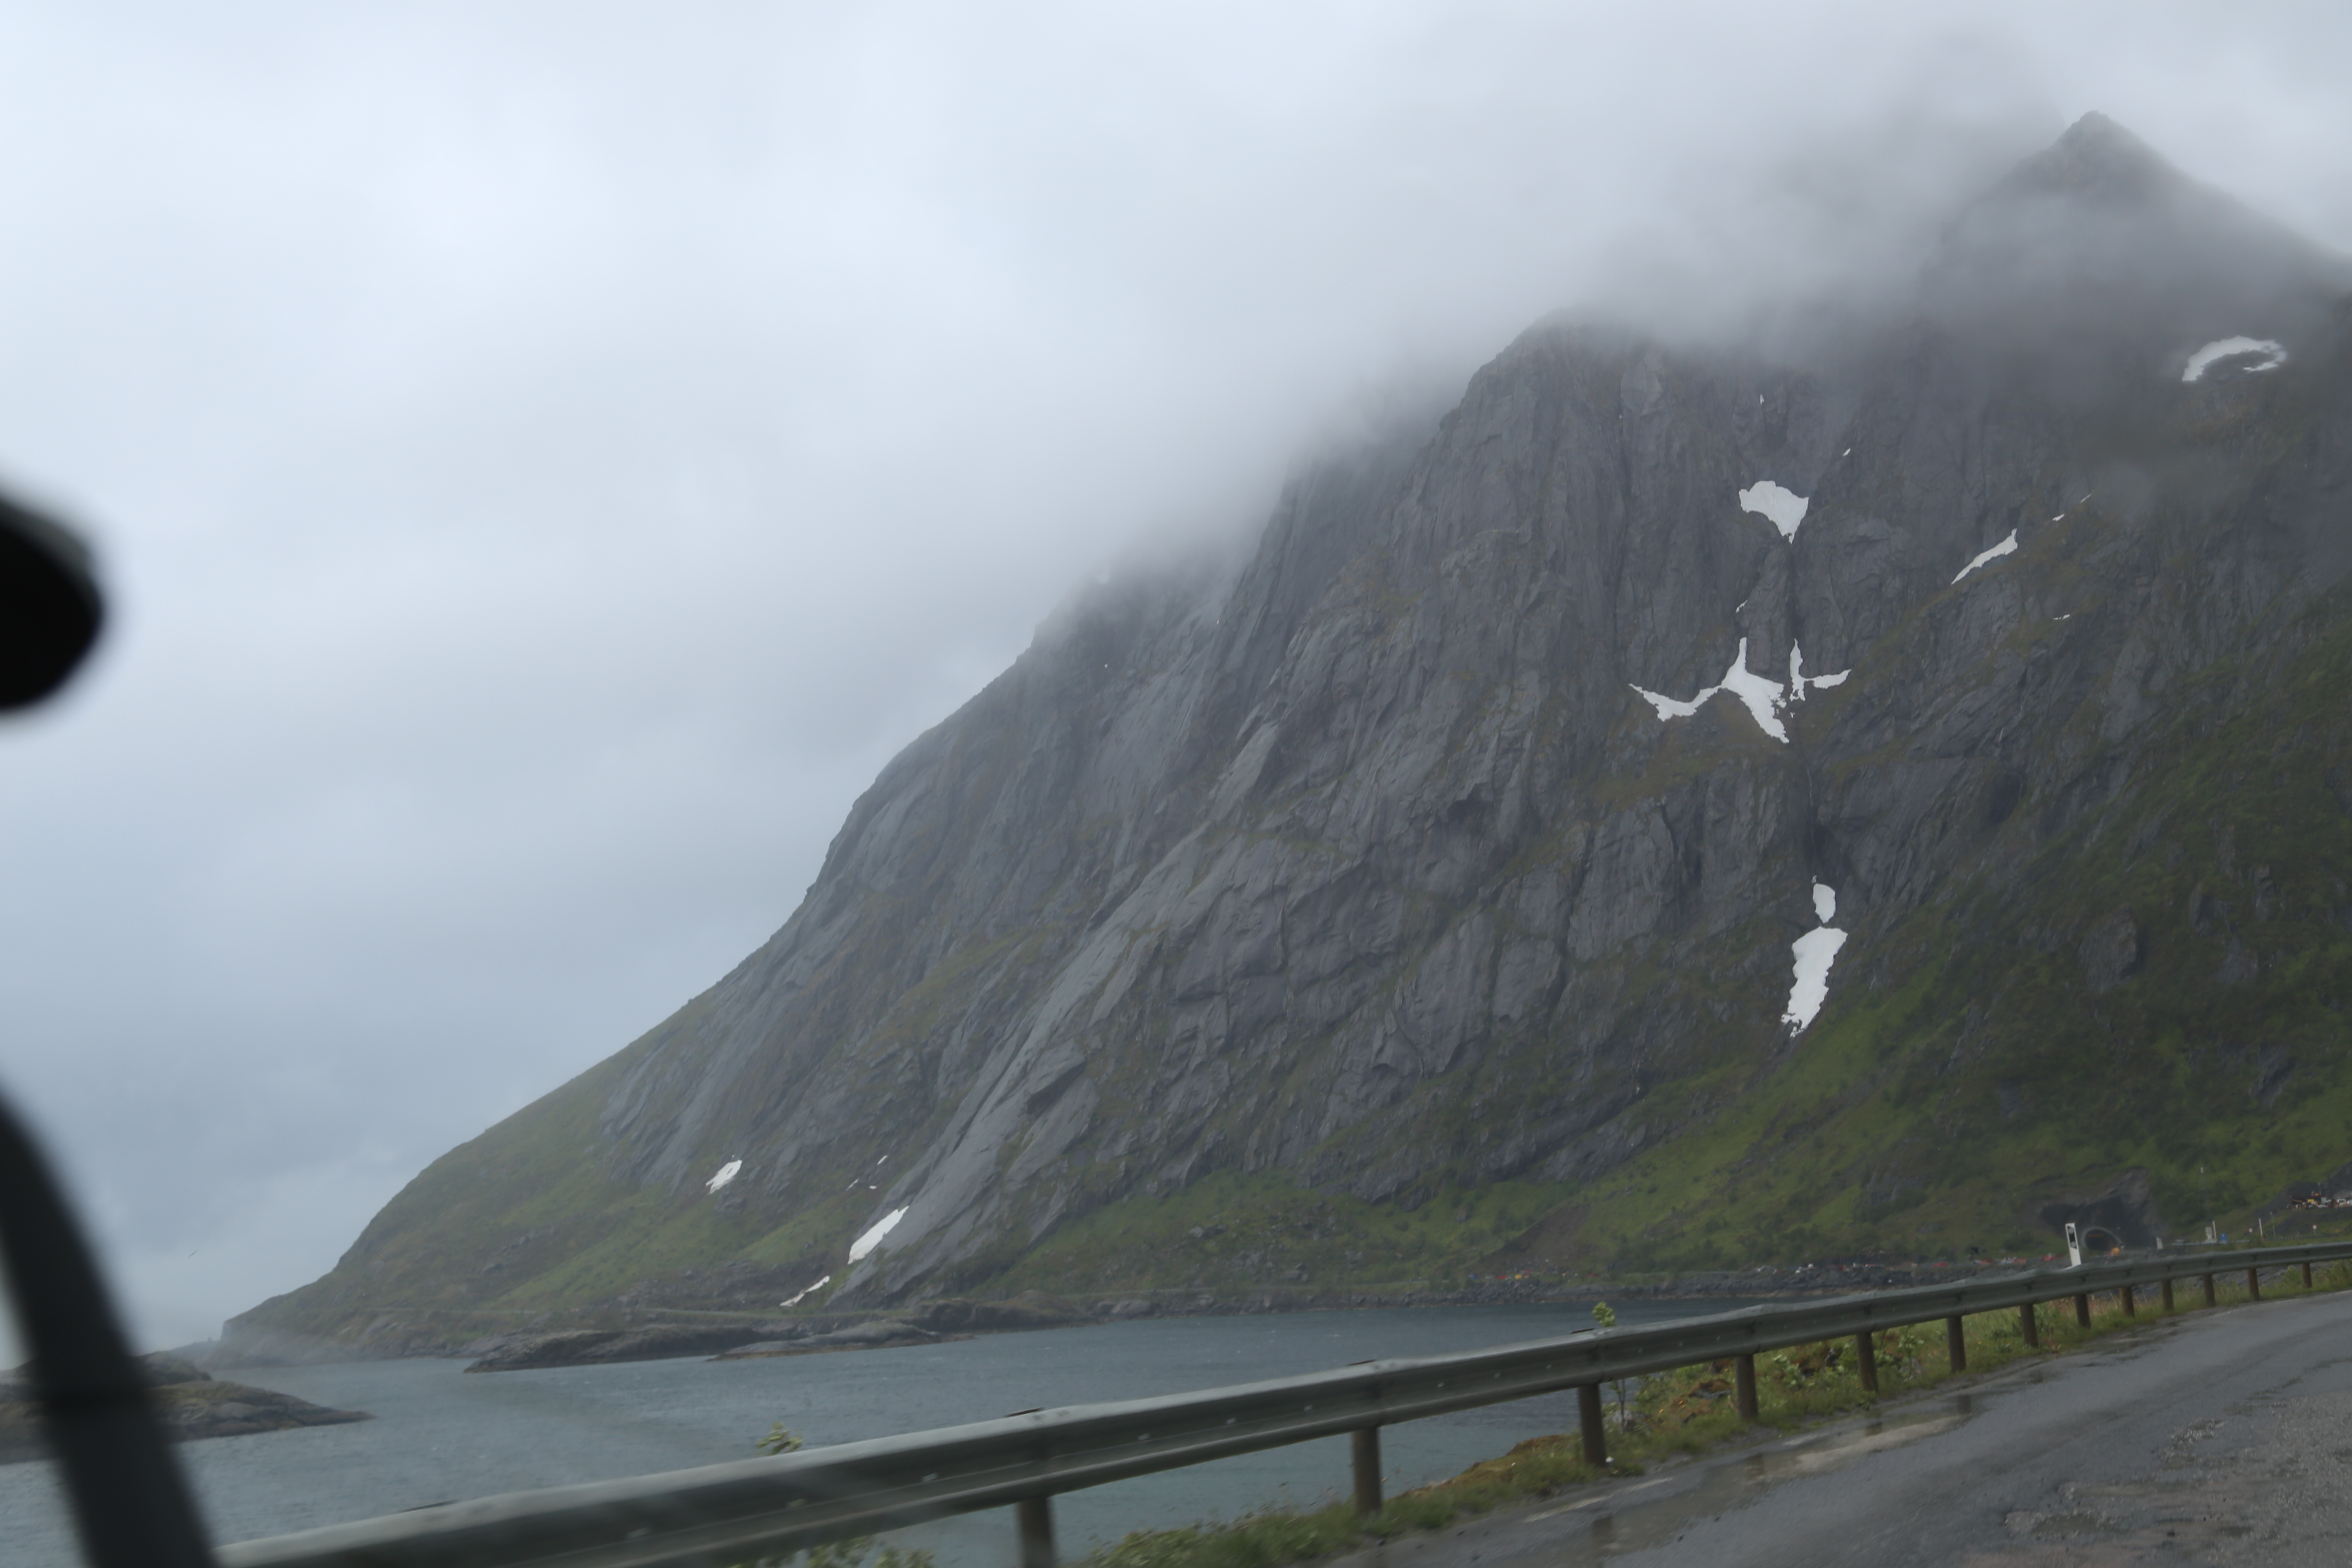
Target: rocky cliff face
(1501, 825)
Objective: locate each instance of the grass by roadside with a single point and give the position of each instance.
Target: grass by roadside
(1687, 1411)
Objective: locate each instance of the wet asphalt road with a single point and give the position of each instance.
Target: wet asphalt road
(2219, 1436)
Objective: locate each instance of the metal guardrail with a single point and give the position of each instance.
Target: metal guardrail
(729, 1513)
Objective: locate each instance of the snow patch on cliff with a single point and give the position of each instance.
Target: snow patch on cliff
(1783, 508)
(726, 1174)
(796, 1301)
(1814, 952)
(2219, 348)
(2006, 547)
(1798, 680)
(873, 1238)
(1762, 697)
(1668, 708)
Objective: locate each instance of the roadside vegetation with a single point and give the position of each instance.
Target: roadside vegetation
(1684, 1412)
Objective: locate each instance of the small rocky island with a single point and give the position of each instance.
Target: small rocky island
(190, 1401)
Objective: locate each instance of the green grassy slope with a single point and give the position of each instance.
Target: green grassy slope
(505, 1230)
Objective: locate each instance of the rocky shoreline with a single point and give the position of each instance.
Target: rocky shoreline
(190, 1402)
(953, 1317)
(926, 1324)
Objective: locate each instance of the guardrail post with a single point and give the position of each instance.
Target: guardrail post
(2208, 1289)
(1743, 1385)
(2253, 1284)
(2168, 1295)
(1865, 1360)
(2131, 1307)
(1035, 1516)
(1956, 1341)
(1596, 1437)
(1368, 1469)
(2082, 1311)
(2306, 1276)
(2030, 1326)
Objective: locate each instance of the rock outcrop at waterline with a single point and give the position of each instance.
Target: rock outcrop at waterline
(1483, 835)
(190, 1403)
(526, 1350)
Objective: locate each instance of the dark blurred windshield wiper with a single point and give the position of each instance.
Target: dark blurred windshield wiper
(131, 1503)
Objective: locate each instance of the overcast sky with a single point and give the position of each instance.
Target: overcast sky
(547, 457)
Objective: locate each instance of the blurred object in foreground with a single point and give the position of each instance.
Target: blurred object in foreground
(49, 613)
(129, 1501)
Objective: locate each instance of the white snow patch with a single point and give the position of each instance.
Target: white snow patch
(726, 1174)
(1847, 453)
(1784, 508)
(2060, 518)
(2067, 616)
(2006, 547)
(873, 1238)
(1815, 952)
(1762, 696)
(2230, 348)
(805, 1295)
(1798, 680)
(1668, 708)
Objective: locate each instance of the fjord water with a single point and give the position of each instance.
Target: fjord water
(441, 1436)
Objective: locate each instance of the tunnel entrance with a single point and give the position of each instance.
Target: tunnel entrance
(2122, 1216)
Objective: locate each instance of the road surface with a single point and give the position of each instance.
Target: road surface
(2221, 1437)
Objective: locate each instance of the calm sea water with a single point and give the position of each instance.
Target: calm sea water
(440, 1435)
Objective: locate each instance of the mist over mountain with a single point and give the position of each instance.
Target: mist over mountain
(1885, 790)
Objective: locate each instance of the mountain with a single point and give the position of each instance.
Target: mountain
(1691, 807)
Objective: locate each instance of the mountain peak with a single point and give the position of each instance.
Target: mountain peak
(2097, 258)
(2098, 161)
